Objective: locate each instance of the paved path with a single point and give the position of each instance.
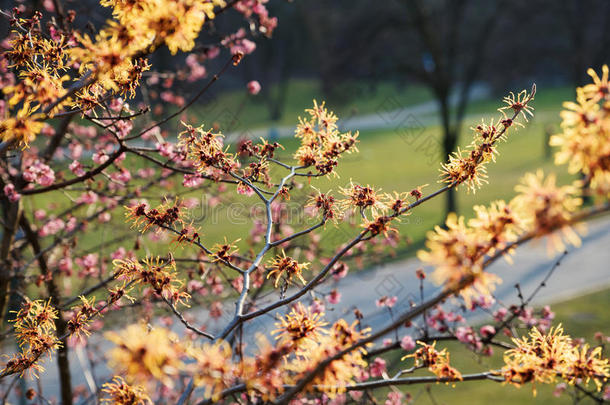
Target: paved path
(389, 114)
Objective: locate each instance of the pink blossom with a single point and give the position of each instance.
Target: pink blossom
(116, 104)
(407, 343)
(40, 173)
(123, 127)
(76, 150)
(104, 217)
(317, 307)
(245, 189)
(11, 193)
(40, 215)
(487, 331)
(100, 157)
(547, 314)
(51, 227)
(194, 285)
(71, 224)
(394, 398)
(120, 253)
(165, 149)
(559, 389)
(90, 260)
(65, 265)
(334, 297)
(124, 176)
(339, 270)
(244, 46)
(77, 168)
(48, 130)
(216, 310)
(378, 367)
(192, 180)
(48, 6)
(254, 87)
(386, 301)
(500, 314)
(146, 172)
(88, 197)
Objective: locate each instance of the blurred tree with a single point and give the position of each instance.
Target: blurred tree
(448, 43)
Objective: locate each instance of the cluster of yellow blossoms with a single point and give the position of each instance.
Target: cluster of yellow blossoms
(459, 251)
(119, 392)
(584, 143)
(173, 22)
(206, 150)
(544, 358)
(34, 326)
(156, 273)
(286, 268)
(144, 354)
(322, 144)
(468, 166)
(111, 61)
(436, 361)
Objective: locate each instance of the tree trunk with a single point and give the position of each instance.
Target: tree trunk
(63, 362)
(449, 144)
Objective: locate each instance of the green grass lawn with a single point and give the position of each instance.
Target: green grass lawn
(581, 317)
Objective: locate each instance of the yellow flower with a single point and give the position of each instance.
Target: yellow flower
(518, 104)
(34, 326)
(600, 87)
(118, 392)
(322, 144)
(545, 357)
(157, 273)
(287, 268)
(300, 327)
(339, 373)
(584, 143)
(175, 22)
(264, 374)
(212, 368)
(22, 128)
(144, 354)
(436, 361)
(545, 207)
(205, 150)
(362, 198)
